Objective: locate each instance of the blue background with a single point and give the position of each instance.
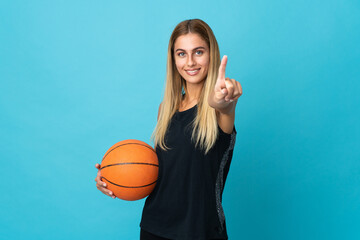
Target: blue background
(79, 76)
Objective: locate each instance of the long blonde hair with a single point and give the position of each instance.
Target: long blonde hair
(205, 128)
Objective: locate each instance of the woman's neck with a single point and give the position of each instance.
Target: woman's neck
(192, 96)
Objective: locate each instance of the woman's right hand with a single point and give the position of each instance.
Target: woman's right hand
(101, 185)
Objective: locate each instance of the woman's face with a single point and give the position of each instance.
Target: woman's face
(192, 57)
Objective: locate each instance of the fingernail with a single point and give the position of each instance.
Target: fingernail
(104, 185)
(231, 100)
(223, 90)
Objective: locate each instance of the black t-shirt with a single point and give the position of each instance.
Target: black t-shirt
(186, 201)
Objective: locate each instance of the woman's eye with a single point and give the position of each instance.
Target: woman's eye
(199, 52)
(181, 54)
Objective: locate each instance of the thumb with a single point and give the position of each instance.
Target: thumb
(220, 85)
(220, 90)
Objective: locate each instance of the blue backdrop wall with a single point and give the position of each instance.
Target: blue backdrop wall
(78, 76)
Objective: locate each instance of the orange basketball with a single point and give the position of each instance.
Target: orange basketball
(130, 169)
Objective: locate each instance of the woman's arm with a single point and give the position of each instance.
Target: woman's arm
(224, 98)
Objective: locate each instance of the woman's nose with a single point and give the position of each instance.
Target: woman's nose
(191, 61)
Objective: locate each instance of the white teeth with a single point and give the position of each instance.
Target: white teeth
(194, 71)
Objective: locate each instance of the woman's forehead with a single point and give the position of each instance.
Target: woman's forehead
(189, 42)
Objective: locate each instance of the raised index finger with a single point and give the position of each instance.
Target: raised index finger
(222, 67)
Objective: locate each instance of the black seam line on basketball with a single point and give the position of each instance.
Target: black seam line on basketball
(128, 186)
(156, 165)
(128, 144)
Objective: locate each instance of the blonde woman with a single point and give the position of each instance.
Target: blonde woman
(194, 140)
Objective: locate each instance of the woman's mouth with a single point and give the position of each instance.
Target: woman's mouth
(192, 72)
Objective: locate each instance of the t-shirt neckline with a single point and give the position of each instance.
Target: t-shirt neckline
(187, 109)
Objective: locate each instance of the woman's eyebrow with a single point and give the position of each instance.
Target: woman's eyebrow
(179, 49)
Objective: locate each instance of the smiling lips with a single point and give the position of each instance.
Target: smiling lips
(192, 72)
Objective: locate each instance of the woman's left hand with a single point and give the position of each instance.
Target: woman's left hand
(226, 90)
(224, 98)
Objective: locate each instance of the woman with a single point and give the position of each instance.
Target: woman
(194, 139)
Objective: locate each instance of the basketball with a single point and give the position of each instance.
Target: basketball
(130, 169)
